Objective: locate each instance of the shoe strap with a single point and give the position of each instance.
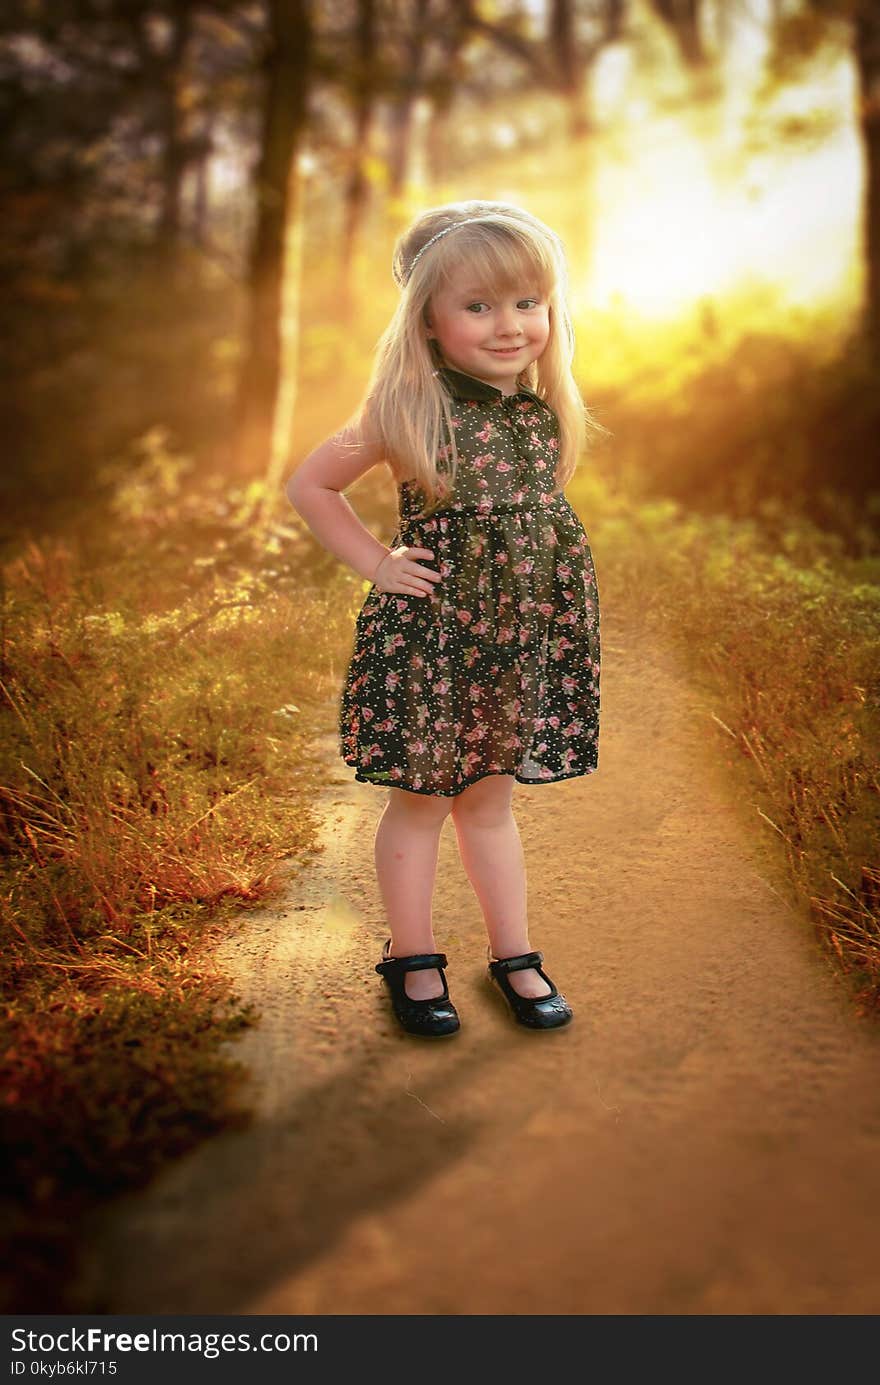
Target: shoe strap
(526, 959)
(419, 961)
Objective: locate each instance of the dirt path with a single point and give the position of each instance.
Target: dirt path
(705, 1138)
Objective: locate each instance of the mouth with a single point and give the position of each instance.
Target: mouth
(505, 350)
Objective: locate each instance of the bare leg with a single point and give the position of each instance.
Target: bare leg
(491, 852)
(405, 850)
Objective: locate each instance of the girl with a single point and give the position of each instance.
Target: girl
(476, 651)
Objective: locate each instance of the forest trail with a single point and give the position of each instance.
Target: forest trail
(704, 1138)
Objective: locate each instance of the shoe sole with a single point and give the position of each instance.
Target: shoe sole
(415, 1034)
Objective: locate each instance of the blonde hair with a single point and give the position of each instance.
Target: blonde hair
(406, 406)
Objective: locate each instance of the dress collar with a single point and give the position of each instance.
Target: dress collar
(462, 386)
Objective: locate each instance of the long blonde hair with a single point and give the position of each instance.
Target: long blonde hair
(407, 406)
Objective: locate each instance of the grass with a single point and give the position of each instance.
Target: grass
(157, 776)
(781, 626)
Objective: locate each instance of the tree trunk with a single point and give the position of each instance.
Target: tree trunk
(615, 14)
(683, 18)
(284, 116)
(569, 69)
(357, 188)
(291, 314)
(438, 155)
(201, 208)
(174, 151)
(400, 126)
(867, 56)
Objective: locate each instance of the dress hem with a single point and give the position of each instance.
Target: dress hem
(475, 779)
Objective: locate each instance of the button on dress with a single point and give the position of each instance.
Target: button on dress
(497, 671)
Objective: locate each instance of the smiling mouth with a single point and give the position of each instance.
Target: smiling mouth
(505, 350)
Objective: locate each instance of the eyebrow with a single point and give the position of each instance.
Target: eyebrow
(474, 292)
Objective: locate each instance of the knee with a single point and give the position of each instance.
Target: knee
(427, 810)
(486, 803)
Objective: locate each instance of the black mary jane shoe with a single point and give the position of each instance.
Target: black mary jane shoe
(432, 1018)
(550, 1011)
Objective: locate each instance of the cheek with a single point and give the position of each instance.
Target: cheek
(469, 328)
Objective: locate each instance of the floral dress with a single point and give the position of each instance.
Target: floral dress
(497, 671)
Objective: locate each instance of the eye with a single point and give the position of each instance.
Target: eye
(524, 303)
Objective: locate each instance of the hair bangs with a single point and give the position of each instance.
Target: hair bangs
(498, 258)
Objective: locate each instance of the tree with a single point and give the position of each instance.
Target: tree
(682, 17)
(798, 35)
(260, 439)
(866, 31)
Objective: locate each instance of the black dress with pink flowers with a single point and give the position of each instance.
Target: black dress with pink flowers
(497, 671)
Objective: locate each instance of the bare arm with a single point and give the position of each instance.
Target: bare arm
(315, 489)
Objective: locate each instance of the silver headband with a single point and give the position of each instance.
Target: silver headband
(420, 253)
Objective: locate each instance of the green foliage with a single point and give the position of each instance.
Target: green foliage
(765, 423)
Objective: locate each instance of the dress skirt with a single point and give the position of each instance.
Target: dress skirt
(495, 672)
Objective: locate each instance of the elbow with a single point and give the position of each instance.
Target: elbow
(290, 490)
(298, 492)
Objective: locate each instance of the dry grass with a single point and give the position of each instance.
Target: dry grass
(782, 628)
(157, 768)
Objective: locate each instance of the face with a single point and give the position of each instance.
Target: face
(491, 336)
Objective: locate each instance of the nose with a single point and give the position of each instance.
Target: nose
(507, 323)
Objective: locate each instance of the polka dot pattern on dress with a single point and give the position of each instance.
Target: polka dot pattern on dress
(497, 670)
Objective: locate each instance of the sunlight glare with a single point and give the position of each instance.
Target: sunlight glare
(672, 225)
(660, 228)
